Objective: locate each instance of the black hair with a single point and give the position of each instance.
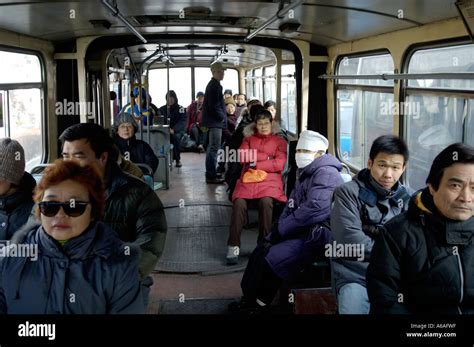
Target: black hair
(263, 114)
(113, 95)
(455, 153)
(171, 93)
(269, 103)
(389, 144)
(254, 110)
(97, 136)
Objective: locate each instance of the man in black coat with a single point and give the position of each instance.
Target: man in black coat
(214, 117)
(423, 260)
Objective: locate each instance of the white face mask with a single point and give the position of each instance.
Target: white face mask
(303, 159)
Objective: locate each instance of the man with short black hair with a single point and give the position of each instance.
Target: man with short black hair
(132, 209)
(361, 207)
(423, 261)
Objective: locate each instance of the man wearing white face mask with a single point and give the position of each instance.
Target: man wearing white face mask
(302, 230)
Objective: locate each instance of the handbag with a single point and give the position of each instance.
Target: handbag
(254, 176)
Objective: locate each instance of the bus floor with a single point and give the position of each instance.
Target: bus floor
(191, 276)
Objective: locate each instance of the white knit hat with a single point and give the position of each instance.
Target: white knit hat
(312, 141)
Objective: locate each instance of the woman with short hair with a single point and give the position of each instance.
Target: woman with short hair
(72, 262)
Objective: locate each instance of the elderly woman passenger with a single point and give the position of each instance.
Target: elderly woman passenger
(80, 265)
(134, 150)
(266, 153)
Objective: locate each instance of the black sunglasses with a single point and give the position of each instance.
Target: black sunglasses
(71, 208)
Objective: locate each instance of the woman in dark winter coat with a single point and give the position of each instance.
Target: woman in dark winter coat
(134, 150)
(16, 188)
(177, 121)
(72, 263)
(303, 227)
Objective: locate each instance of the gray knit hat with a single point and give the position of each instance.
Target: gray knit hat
(12, 160)
(125, 117)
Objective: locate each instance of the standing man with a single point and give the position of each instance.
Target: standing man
(215, 119)
(132, 209)
(423, 261)
(361, 207)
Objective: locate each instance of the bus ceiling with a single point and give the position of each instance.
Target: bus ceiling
(322, 22)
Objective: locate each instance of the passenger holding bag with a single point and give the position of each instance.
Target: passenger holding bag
(263, 154)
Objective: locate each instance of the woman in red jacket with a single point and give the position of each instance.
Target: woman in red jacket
(261, 150)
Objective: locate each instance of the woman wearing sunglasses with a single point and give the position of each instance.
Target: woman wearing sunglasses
(71, 263)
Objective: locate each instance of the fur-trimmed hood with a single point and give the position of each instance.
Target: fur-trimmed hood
(251, 129)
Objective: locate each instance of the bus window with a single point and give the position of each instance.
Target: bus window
(361, 121)
(364, 106)
(269, 87)
(25, 122)
(2, 126)
(230, 81)
(258, 84)
(438, 115)
(180, 82)
(21, 103)
(249, 84)
(470, 123)
(288, 98)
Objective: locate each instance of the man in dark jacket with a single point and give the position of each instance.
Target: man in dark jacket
(423, 261)
(360, 208)
(302, 233)
(214, 117)
(134, 150)
(16, 188)
(132, 209)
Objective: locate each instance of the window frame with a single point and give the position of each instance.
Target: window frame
(337, 85)
(42, 86)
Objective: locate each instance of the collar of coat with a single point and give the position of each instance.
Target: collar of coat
(370, 192)
(97, 240)
(251, 129)
(455, 232)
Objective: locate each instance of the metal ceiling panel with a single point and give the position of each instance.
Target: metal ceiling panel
(324, 22)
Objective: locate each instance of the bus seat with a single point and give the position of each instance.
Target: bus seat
(346, 173)
(38, 171)
(147, 174)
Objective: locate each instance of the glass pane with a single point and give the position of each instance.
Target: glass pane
(180, 82)
(126, 91)
(469, 138)
(288, 106)
(454, 59)
(362, 117)
(25, 123)
(288, 69)
(439, 124)
(231, 81)
(202, 76)
(269, 71)
(367, 65)
(258, 84)
(19, 67)
(269, 89)
(248, 84)
(3, 132)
